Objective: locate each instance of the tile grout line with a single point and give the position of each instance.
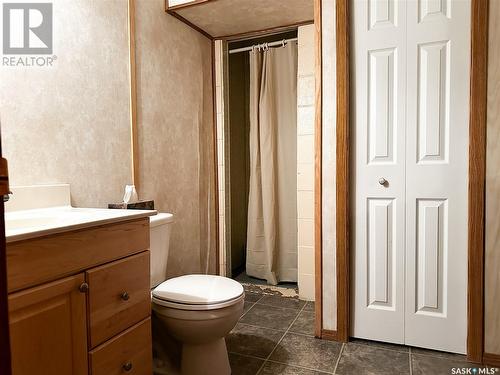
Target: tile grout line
(281, 339)
(338, 359)
(246, 312)
(280, 307)
(281, 363)
(378, 347)
(409, 358)
(278, 330)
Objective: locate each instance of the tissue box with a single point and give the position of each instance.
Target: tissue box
(140, 205)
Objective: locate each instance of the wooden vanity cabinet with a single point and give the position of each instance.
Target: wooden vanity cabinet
(89, 302)
(48, 329)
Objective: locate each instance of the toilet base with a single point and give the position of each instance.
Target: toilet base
(208, 359)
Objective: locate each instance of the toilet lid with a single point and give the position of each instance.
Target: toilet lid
(198, 289)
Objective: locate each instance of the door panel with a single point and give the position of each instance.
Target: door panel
(410, 141)
(379, 134)
(438, 56)
(381, 288)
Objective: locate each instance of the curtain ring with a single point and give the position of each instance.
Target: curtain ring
(284, 42)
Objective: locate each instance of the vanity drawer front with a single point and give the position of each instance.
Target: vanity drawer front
(119, 296)
(128, 353)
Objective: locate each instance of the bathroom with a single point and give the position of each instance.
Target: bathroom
(158, 94)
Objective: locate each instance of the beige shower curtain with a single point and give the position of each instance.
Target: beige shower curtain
(272, 203)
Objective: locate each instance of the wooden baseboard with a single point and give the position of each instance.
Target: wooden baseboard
(328, 334)
(491, 359)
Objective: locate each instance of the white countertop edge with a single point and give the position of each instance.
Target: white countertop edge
(130, 215)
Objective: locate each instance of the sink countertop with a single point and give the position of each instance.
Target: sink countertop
(26, 224)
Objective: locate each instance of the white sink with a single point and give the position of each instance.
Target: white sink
(29, 218)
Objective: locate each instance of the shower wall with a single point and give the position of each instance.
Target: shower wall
(305, 161)
(239, 155)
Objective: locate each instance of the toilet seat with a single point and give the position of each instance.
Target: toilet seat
(198, 292)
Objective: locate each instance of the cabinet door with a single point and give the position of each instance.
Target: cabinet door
(48, 329)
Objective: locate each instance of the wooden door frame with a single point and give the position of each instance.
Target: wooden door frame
(477, 175)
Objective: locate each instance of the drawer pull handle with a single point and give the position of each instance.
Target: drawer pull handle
(127, 366)
(125, 296)
(84, 288)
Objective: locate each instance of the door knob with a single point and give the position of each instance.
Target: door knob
(382, 181)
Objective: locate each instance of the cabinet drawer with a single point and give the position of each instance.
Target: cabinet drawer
(128, 353)
(119, 296)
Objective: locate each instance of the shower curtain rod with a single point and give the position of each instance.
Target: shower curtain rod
(271, 44)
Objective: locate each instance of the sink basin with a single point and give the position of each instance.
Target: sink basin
(26, 224)
(14, 224)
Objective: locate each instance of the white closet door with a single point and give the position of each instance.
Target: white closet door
(378, 139)
(438, 55)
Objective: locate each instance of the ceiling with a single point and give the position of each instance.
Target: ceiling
(225, 18)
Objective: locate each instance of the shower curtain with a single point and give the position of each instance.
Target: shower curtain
(272, 201)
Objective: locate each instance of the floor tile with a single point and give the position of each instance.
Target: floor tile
(254, 341)
(252, 297)
(370, 360)
(383, 345)
(309, 306)
(304, 323)
(425, 364)
(436, 353)
(274, 368)
(247, 305)
(270, 317)
(278, 301)
(308, 352)
(242, 365)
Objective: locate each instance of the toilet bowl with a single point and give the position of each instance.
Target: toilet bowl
(196, 310)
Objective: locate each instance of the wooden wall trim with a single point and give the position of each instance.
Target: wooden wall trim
(256, 33)
(216, 162)
(318, 126)
(134, 138)
(477, 177)
(491, 359)
(342, 173)
(186, 5)
(190, 24)
(4, 315)
(331, 335)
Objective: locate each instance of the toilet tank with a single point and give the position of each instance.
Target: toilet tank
(160, 226)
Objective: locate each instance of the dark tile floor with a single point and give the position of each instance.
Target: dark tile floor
(275, 336)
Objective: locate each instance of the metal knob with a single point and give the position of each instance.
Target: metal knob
(127, 366)
(382, 181)
(83, 288)
(125, 296)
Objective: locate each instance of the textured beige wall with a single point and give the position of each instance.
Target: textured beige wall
(175, 120)
(328, 164)
(492, 308)
(70, 123)
(230, 17)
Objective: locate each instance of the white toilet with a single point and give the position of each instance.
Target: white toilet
(197, 310)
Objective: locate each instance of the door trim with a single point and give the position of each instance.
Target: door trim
(477, 172)
(343, 212)
(477, 179)
(318, 235)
